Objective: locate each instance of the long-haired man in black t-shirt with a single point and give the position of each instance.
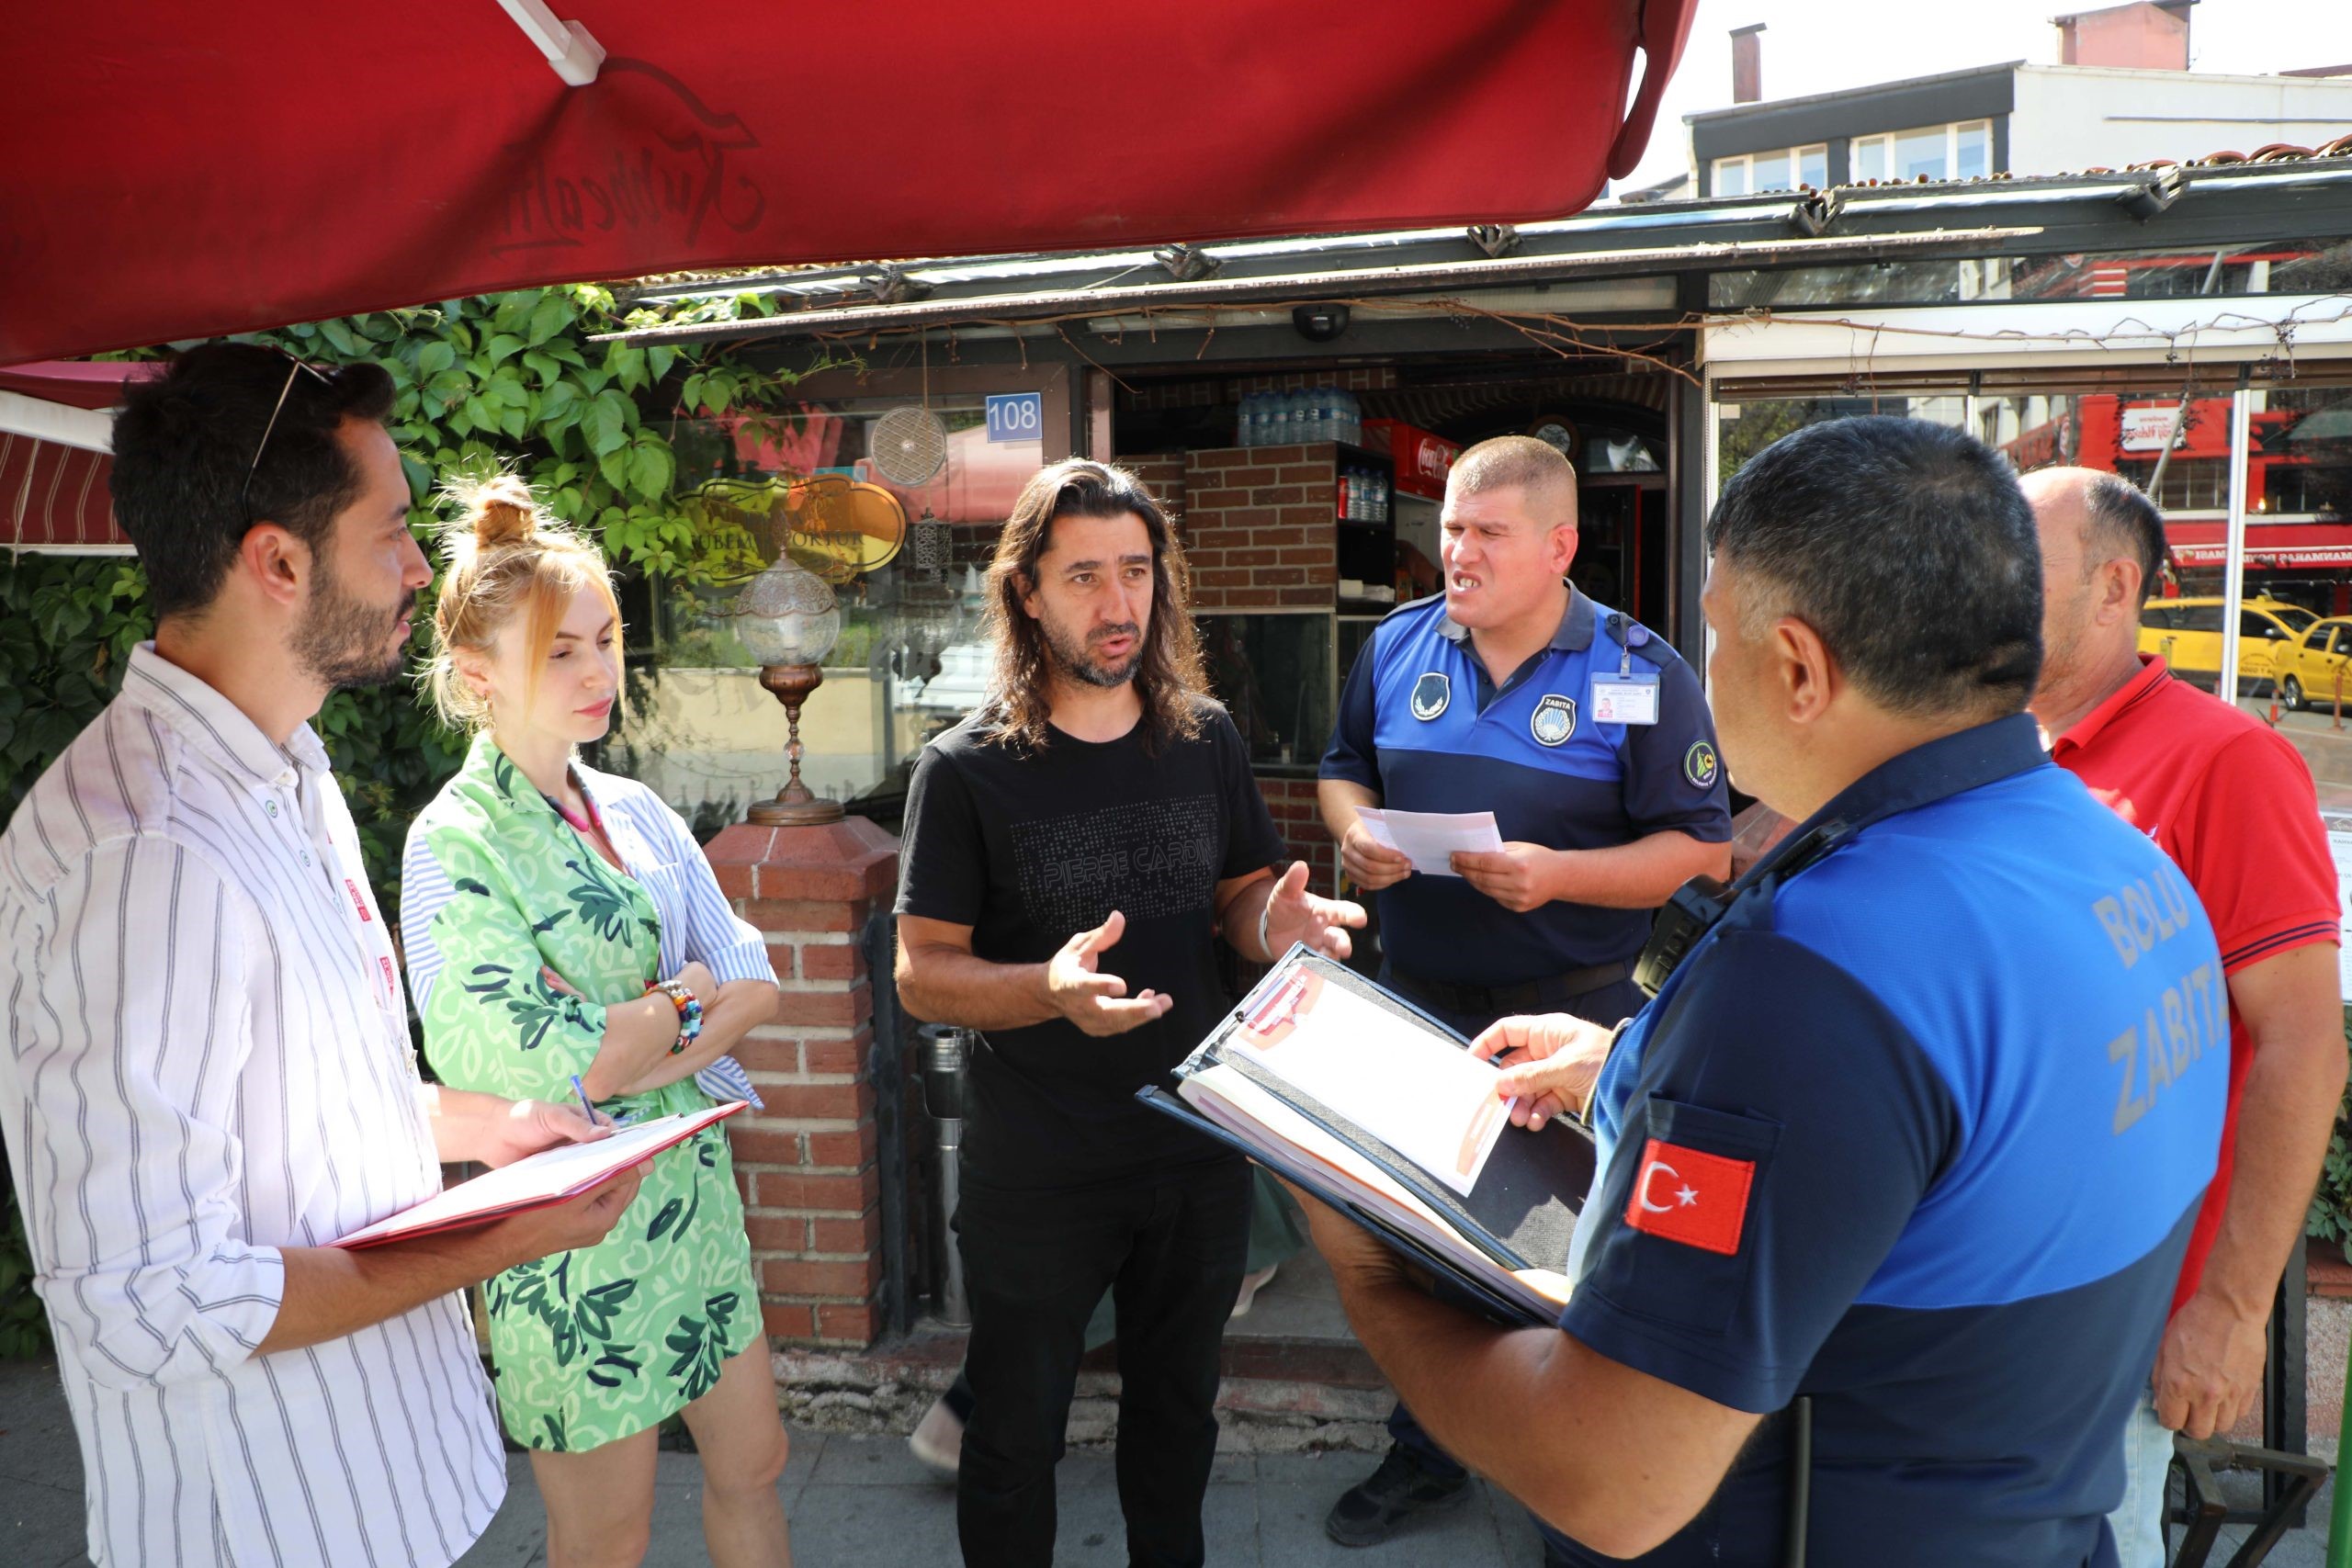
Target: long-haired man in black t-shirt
(1071, 850)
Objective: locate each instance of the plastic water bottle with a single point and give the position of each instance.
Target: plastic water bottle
(1318, 414)
(1350, 420)
(1294, 414)
(1245, 424)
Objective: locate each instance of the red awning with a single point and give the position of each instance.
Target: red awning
(185, 169)
(2267, 544)
(75, 383)
(54, 497)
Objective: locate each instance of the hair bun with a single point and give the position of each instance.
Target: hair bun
(491, 514)
(502, 511)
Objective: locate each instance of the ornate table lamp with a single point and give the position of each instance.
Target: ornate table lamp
(789, 620)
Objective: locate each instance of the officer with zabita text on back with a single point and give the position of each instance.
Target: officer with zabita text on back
(1588, 740)
(1898, 1166)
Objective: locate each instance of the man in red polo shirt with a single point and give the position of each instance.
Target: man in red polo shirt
(2232, 802)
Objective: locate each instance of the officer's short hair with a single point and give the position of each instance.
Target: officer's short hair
(1907, 547)
(1537, 468)
(2119, 516)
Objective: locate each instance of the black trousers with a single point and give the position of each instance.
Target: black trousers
(1169, 1249)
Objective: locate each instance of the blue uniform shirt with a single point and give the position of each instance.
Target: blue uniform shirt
(1921, 1134)
(1421, 724)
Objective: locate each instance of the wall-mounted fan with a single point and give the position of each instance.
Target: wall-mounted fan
(908, 446)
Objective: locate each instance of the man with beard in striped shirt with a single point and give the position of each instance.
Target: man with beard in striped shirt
(208, 1075)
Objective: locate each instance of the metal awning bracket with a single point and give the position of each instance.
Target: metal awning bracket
(1816, 213)
(571, 49)
(2152, 195)
(1496, 240)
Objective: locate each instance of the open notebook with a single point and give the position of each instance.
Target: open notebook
(1362, 1099)
(552, 1176)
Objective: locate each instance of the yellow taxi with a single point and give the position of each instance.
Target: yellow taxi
(2316, 668)
(2187, 633)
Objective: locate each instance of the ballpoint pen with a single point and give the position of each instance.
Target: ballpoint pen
(582, 1093)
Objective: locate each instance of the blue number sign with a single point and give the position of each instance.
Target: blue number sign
(1016, 416)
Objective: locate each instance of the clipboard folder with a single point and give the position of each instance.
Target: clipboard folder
(552, 1175)
(1500, 1247)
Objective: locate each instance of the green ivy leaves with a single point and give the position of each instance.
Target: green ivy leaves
(500, 379)
(2329, 1218)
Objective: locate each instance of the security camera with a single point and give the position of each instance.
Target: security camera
(1319, 324)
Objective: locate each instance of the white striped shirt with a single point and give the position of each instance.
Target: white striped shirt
(657, 848)
(208, 1059)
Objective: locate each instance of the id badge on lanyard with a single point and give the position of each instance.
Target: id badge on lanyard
(1626, 697)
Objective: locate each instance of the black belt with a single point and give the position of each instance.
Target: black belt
(1500, 1001)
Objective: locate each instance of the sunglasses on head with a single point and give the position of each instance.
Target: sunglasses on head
(293, 368)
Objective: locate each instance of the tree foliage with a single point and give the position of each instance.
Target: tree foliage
(504, 380)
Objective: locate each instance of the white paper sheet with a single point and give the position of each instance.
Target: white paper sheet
(1242, 1107)
(1424, 1097)
(1429, 837)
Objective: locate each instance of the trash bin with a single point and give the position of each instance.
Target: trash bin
(947, 1053)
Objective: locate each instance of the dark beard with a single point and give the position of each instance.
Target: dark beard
(1076, 663)
(340, 640)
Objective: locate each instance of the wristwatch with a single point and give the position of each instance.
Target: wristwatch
(689, 1008)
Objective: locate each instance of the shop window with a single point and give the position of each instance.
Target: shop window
(2176, 442)
(1273, 673)
(909, 661)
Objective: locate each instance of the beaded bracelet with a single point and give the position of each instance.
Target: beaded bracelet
(689, 1011)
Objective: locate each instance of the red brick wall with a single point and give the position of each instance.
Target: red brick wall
(1291, 802)
(1259, 527)
(807, 1164)
(1162, 473)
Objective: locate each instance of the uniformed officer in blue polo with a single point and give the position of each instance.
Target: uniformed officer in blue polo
(1587, 737)
(1905, 1152)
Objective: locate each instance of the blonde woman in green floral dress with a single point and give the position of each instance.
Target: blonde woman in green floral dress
(541, 904)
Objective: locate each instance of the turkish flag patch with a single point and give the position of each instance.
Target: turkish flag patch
(1699, 1200)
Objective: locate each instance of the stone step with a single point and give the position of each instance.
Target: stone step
(1278, 1395)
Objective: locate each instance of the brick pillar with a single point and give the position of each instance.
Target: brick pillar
(807, 1164)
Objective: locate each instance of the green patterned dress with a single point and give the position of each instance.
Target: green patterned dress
(594, 1345)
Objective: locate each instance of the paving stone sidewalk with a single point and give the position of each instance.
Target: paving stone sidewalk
(864, 1500)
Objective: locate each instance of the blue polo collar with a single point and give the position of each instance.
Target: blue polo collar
(1949, 765)
(1574, 633)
